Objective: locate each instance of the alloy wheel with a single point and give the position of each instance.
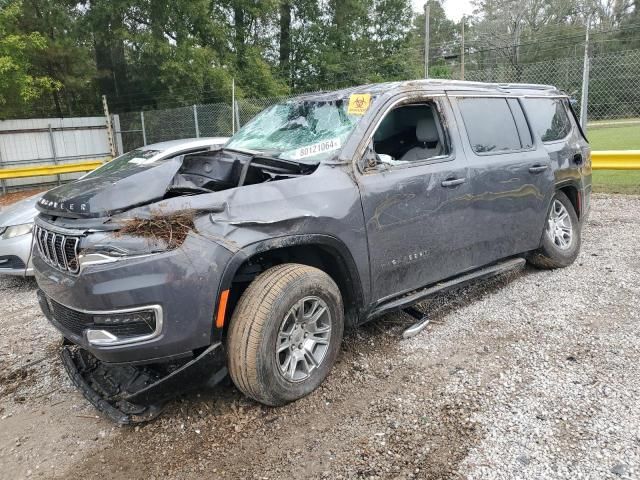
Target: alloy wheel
(303, 338)
(559, 226)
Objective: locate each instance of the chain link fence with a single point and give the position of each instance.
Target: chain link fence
(135, 129)
(614, 81)
(614, 94)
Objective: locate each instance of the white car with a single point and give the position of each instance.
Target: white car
(16, 221)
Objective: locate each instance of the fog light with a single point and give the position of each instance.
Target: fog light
(145, 317)
(124, 326)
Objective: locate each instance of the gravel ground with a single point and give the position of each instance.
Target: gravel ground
(534, 375)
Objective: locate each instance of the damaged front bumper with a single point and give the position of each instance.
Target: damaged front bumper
(131, 394)
(141, 330)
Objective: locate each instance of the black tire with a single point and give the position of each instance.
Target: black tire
(550, 254)
(254, 332)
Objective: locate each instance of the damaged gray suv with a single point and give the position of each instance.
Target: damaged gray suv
(323, 212)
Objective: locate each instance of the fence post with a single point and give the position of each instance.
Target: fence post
(144, 131)
(195, 121)
(117, 130)
(112, 148)
(584, 101)
(233, 106)
(462, 52)
(3, 182)
(236, 109)
(53, 149)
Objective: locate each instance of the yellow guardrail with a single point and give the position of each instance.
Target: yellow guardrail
(44, 170)
(615, 160)
(600, 160)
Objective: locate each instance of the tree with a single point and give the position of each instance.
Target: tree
(19, 85)
(66, 58)
(284, 57)
(443, 39)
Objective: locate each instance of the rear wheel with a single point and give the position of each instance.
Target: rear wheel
(561, 237)
(285, 334)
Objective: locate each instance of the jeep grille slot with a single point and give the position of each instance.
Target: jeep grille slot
(59, 251)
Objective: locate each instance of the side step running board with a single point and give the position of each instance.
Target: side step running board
(419, 295)
(416, 328)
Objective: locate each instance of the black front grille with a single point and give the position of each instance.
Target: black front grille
(77, 322)
(60, 251)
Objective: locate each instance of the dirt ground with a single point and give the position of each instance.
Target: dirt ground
(534, 374)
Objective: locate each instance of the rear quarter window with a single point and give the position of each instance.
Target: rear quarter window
(548, 117)
(490, 125)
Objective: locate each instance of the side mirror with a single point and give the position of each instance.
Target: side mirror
(370, 158)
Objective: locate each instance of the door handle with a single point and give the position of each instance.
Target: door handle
(538, 168)
(453, 182)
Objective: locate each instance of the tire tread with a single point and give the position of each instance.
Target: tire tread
(248, 323)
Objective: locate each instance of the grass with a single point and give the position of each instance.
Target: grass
(624, 136)
(617, 181)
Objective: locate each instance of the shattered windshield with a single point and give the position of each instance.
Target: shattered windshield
(128, 161)
(306, 131)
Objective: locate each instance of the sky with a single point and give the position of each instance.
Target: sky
(454, 9)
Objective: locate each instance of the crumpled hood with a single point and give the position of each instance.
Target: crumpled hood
(103, 195)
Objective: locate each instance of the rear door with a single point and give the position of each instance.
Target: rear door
(556, 128)
(511, 176)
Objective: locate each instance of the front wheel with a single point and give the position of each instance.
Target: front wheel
(285, 334)
(561, 237)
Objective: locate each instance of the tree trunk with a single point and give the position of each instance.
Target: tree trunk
(285, 38)
(241, 36)
(110, 58)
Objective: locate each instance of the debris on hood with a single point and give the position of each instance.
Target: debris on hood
(170, 228)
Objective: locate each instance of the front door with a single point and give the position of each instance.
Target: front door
(415, 201)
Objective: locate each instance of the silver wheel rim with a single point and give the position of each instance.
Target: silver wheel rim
(303, 338)
(559, 226)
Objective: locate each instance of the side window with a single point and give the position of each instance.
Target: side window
(548, 117)
(521, 122)
(490, 124)
(410, 133)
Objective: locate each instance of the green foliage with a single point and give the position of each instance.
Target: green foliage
(440, 70)
(57, 57)
(19, 86)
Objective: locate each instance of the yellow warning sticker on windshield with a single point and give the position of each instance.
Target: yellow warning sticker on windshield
(359, 103)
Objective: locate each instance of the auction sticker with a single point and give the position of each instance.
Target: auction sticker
(359, 103)
(315, 149)
(146, 156)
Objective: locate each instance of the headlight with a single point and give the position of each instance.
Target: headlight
(106, 247)
(16, 231)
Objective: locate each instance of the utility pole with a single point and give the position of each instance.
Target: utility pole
(426, 39)
(462, 52)
(584, 101)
